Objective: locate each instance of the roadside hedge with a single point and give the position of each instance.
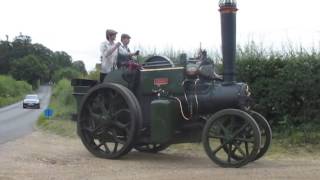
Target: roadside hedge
(284, 86)
(62, 100)
(11, 90)
(63, 105)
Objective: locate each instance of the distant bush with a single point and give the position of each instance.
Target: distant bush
(94, 75)
(66, 73)
(62, 100)
(12, 90)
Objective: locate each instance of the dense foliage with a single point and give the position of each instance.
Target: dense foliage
(285, 86)
(62, 100)
(12, 90)
(30, 62)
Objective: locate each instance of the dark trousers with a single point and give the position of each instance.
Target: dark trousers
(102, 76)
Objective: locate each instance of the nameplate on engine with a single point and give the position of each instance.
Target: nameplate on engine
(161, 81)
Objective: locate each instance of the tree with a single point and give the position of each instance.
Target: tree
(21, 46)
(62, 59)
(5, 49)
(79, 65)
(29, 68)
(46, 56)
(67, 73)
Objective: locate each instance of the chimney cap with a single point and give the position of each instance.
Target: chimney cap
(228, 3)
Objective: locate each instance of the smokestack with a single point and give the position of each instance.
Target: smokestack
(228, 10)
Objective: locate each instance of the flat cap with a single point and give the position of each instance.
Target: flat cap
(111, 32)
(125, 36)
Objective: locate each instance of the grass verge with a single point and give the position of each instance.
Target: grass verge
(63, 105)
(11, 90)
(66, 128)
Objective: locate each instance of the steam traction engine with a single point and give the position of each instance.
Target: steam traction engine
(166, 105)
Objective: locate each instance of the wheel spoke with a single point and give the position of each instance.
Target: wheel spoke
(115, 147)
(91, 131)
(240, 130)
(225, 131)
(94, 115)
(114, 99)
(113, 96)
(237, 147)
(229, 152)
(121, 111)
(247, 148)
(98, 146)
(244, 140)
(121, 125)
(106, 147)
(101, 103)
(219, 148)
(116, 138)
(231, 123)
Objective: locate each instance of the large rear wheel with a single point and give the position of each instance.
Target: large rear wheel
(108, 120)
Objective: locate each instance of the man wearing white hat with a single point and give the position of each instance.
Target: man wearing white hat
(109, 53)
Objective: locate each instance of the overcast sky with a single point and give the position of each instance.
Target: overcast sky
(78, 26)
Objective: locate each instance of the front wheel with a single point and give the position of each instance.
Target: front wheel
(231, 132)
(266, 133)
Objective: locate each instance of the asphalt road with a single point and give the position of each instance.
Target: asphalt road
(16, 122)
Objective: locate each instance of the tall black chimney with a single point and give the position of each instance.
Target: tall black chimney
(228, 9)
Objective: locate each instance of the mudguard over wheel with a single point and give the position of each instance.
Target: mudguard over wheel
(155, 62)
(109, 120)
(231, 132)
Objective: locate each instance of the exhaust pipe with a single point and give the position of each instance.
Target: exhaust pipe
(228, 10)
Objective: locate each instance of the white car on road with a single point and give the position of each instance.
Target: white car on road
(31, 101)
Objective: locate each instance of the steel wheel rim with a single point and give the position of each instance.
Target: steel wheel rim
(106, 124)
(266, 133)
(266, 136)
(222, 141)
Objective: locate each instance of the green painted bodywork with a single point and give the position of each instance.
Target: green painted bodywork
(116, 76)
(174, 75)
(164, 119)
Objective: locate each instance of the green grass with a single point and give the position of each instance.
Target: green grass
(12, 90)
(66, 128)
(63, 104)
(10, 100)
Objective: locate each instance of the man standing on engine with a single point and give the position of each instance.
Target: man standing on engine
(109, 53)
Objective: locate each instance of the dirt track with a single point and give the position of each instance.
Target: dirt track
(46, 156)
